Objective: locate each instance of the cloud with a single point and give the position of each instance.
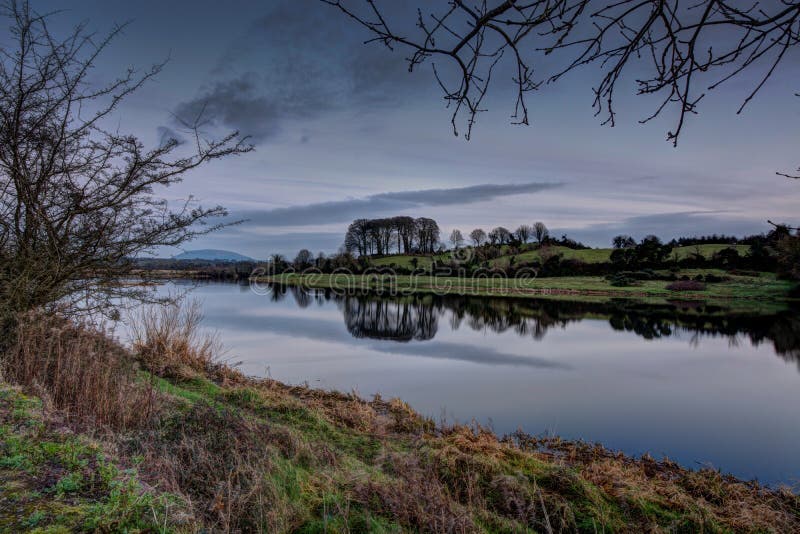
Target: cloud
(386, 204)
(300, 63)
(467, 353)
(234, 104)
(166, 134)
(331, 331)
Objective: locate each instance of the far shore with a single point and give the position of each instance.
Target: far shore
(738, 291)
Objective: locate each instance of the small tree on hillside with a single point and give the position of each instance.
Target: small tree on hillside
(623, 241)
(540, 232)
(478, 237)
(456, 238)
(524, 233)
(503, 234)
(278, 263)
(77, 202)
(303, 259)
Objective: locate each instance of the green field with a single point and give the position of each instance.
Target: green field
(739, 291)
(591, 255)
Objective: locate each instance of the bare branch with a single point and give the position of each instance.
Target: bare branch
(77, 201)
(683, 49)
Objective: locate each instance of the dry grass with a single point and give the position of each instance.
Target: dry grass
(167, 340)
(80, 370)
(221, 461)
(252, 455)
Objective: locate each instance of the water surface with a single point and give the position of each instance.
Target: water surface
(697, 385)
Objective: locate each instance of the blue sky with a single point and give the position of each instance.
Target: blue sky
(342, 130)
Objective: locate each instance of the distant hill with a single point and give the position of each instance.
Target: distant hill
(211, 255)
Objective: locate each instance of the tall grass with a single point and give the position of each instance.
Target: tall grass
(168, 341)
(79, 369)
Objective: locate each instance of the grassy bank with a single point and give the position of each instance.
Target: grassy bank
(737, 291)
(194, 444)
(532, 253)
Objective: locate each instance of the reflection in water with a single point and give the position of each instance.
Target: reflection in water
(399, 320)
(416, 317)
(697, 383)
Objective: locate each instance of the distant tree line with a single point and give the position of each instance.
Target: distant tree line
(775, 251)
(626, 241)
(524, 234)
(501, 235)
(401, 234)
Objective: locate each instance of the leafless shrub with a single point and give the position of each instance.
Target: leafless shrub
(77, 198)
(415, 499)
(223, 462)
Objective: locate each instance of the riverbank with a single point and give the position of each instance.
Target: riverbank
(167, 439)
(736, 291)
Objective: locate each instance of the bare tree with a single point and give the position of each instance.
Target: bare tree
(405, 227)
(676, 51)
(540, 232)
(77, 200)
(357, 239)
(524, 233)
(478, 237)
(499, 235)
(427, 234)
(303, 259)
(456, 238)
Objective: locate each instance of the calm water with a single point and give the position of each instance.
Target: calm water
(714, 390)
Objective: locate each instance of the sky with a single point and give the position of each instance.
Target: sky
(342, 130)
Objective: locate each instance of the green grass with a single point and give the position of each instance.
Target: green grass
(708, 250)
(591, 255)
(52, 480)
(406, 261)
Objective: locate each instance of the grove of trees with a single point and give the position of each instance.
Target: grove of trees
(392, 234)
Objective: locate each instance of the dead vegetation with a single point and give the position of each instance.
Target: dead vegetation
(168, 342)
(80, 370)
(253, 455)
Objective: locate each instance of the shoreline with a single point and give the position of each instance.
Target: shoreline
(741, 293)
(206, 447)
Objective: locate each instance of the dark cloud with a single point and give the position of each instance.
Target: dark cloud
(311, 62)
(384, 204)
(233, 104)
(166, 134)
(468, 353)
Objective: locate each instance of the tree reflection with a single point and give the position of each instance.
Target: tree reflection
(417, 318)
(398, 320)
